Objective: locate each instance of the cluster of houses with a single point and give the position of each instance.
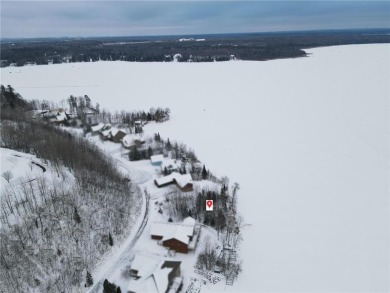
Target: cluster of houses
(105, 131)
(62, 116)
(118, 135)
(56, 116)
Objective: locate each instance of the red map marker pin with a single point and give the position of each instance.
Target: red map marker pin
(209, 205)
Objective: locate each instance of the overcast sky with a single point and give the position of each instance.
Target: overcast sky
(135, 18)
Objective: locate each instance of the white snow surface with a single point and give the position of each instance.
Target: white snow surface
(306, 138)
(20, 165)
(26, 168)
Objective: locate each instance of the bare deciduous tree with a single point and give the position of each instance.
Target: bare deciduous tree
(7, 175)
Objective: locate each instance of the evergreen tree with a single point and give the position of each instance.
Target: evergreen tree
(11, 99)
(76, 216)
(223, 190)
(176, 150)
(134, 154)
(168, 145)
(108, 287)
(166, 171)
(118, 290)
(150, 151)
(89, 279)
(110, 241)
(204, 173)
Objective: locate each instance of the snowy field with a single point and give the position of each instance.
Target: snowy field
(307, 139)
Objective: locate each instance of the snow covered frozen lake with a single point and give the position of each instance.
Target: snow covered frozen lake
(307, 139)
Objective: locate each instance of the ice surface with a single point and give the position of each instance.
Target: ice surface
(306, 138)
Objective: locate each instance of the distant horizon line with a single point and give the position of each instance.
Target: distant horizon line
(195, 35)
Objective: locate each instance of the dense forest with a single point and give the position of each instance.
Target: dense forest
(205, 48)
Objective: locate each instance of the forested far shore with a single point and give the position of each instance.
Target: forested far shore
(208, 48)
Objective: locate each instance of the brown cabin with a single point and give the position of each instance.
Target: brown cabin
(176, 245)
(118, 136)
(186, 188)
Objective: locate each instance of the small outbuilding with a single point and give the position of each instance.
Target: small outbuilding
(156, 160)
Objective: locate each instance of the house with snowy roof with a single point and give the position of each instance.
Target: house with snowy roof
(175, 236)
(95, 129)
(112, 133)
(127, 141)
(153, 274)
(183, 181)
(117, 134)
(177, 239)
(130, 141)
(143, 265)
(105, 134)
(165, 180)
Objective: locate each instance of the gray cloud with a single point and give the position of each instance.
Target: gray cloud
(103, 18)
